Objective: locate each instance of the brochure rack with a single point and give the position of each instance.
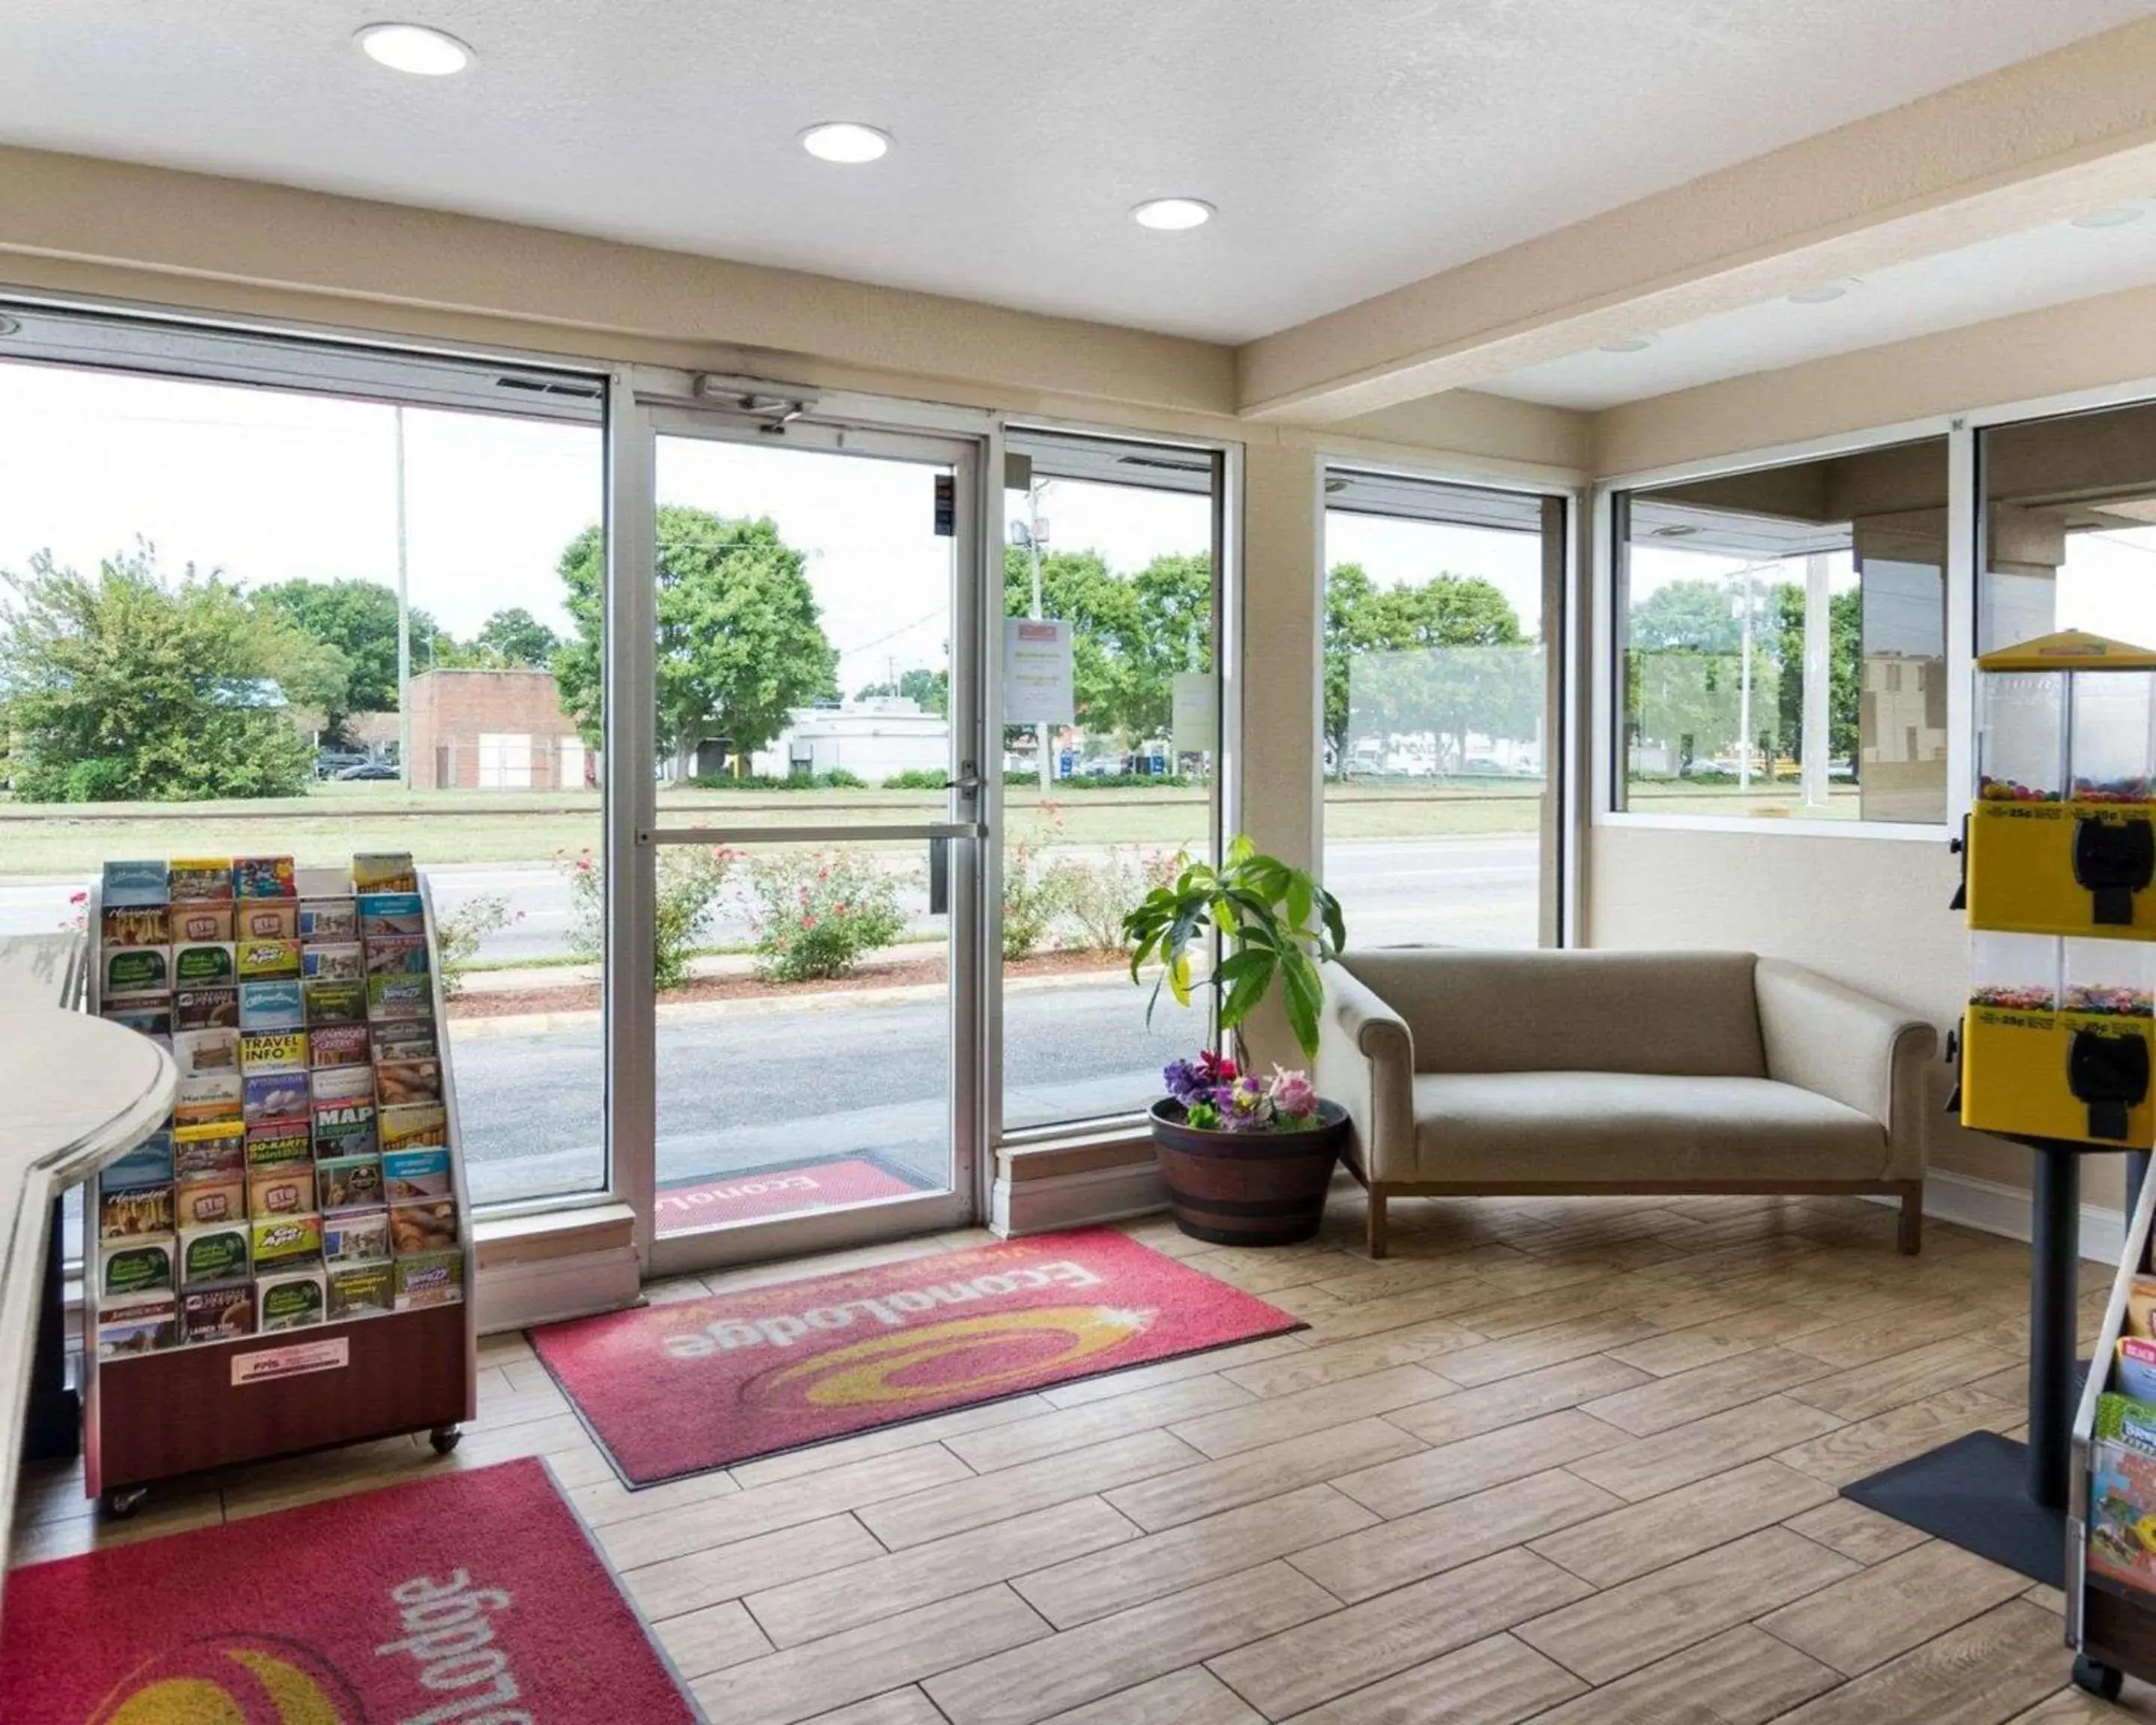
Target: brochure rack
(158, 1404)
(2110, 1623)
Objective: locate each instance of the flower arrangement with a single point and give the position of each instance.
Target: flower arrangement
(1217, 1097)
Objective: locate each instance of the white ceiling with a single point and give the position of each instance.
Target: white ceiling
(1351, 145)
(2021, 272)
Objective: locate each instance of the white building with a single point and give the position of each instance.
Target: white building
(872, 739)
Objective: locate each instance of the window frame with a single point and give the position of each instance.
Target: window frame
(1559, 916)
(1607, 695)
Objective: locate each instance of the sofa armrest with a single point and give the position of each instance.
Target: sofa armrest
(1863, 1053)
(1366, 1063)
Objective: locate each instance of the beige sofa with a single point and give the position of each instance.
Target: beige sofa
(1582, 1072)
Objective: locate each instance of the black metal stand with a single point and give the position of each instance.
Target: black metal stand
(1986, 1493)
(52, 1427)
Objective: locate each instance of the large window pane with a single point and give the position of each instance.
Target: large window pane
(1435, 679)
(200, 655)
(2070, 528)
(1118, 540)
(1782, 640)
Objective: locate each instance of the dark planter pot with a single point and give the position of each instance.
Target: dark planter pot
(1248, 1188)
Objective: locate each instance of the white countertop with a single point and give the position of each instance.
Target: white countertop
(76, 1093)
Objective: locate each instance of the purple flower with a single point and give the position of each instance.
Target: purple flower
(1185, 1083)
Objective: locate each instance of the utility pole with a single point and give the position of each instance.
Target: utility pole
(1744, 694)
(1032, 541)
(403, 619)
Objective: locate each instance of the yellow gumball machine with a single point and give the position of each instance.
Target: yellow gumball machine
(2061, 894)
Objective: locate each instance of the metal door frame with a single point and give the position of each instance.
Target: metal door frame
(647, 406)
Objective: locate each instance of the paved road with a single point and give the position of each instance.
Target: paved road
(1474, 890)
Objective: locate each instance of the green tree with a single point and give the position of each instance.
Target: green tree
(514, 638)
(1844, 656)
(740, 641)
(124, 687)
(358, 617)
(1449, 691)
(930, 688)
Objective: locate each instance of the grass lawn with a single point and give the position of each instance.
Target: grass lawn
(439, 827)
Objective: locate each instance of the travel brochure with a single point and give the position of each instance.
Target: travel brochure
(306, 1175)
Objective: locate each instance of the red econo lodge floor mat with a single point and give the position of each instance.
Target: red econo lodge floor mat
(693, 1385)
(471, 1596)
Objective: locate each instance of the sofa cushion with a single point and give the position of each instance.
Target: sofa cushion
(1678, 1013)
(1585, 1129)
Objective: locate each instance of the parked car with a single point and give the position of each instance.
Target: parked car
(370, 769)
(329, 763)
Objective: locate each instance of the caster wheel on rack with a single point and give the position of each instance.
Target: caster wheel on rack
(120, 1505)
(2099, 1680)
(445, 1439)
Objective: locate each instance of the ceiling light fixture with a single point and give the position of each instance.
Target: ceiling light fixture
(1826, 292)
(10, 325)
(1172, 215)
(1628, 344)
(2117, 217)
(845, 140)
(416, 49)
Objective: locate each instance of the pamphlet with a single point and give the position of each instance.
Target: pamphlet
(418, 1228)
(274, 1096)
(337, 1000)
(141, 1266)
(205, 1009)
(149, 1163)
(410, 1175)
(150, 1016)
(355, 1237)
(341, 960)
(137, 1327)
(209, 1198)
(398, 955)
(400, 997)
(272, 1051)
(202, 879)
(134, 883)
(416, 1127)
(391, 913)
(288, 1301)
(380, 871)
(205, 964)
(272, 1006)
(402, 1081)
(430, 1279)
(345, 1129)
(342, 1084)
(274, 1142)
(284, 1242)
(130, 1214)
(134, 971)
(348, 1183)
(339, 1046)
(267, 919)
(359, 1289)
(264, 877)
(214, 1254)
(202, 925)
(218, 1148)
(282, 1190)
(135, 926)
(217, 1314)
(329, 920)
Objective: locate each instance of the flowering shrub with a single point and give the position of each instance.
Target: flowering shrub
(690, 878)
(461, 931)
(1096, 893)
(1218, 1096)
(815, 914)
(1032, 897)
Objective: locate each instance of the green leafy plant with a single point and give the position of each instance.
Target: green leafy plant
(1277, 920)
(817, 914)
(690, 878)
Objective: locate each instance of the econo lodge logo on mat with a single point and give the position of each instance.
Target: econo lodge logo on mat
(965, 1355)
(254, 1680)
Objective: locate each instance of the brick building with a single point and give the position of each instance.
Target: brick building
(496, 730)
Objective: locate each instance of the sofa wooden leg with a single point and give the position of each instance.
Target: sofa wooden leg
(1375, 1226)
(1909, 1237)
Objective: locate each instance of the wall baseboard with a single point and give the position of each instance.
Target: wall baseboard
(512, 1296)
(1077, 1200)
(1990, 1208)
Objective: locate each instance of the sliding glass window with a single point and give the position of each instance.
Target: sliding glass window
(1781, 640)
(208, 542)
(1117, 543)
(1441, 605)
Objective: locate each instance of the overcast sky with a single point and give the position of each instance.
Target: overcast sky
(266, 485)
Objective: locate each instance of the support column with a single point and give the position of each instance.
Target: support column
(1279, 677)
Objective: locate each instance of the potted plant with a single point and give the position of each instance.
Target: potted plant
(1247, 1159)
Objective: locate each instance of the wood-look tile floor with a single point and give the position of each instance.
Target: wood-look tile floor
(1567, 1461)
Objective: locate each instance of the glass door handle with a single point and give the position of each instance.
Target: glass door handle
(939, 877)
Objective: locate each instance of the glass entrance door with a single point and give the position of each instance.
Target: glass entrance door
(814, 842)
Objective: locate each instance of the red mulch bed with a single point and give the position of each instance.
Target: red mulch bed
(584, 996)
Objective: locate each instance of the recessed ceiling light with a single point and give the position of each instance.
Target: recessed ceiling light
(1825, 293)
(10, 325)
(415, 48)
(1628, 344)
(1171, 215)
(2117, 216)
(846, 141)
